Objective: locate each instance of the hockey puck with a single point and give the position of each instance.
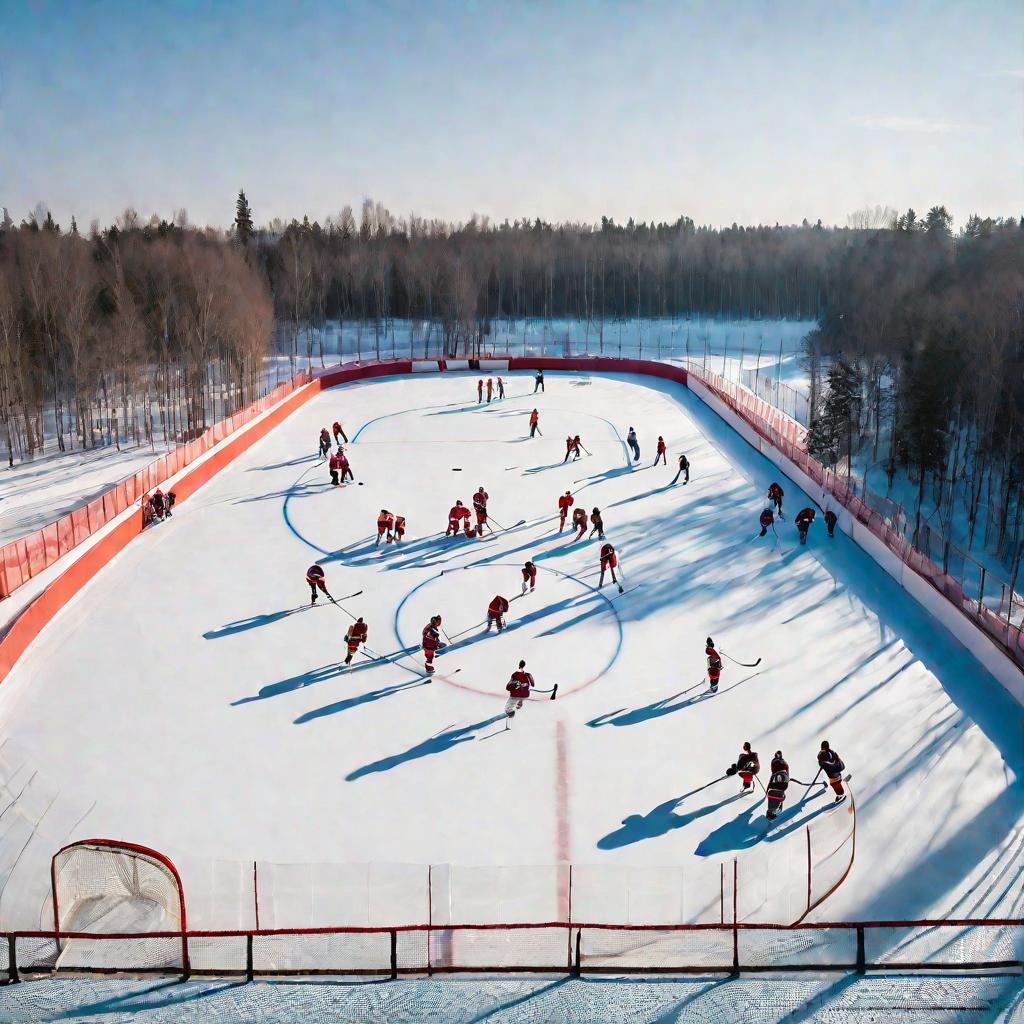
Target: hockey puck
(456, 469)
(360, 483)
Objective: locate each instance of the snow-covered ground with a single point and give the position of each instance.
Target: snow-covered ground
(185, 700)
(38, 492)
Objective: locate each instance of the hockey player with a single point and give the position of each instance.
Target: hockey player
(534, 423)
(529, 572)
(335, 467)
(468, 528)
(518, 687)
(538, 382)
(399, 530)
(490, 390)
(684, 467)
(661, 452)
(456, 514)
(597, 523)
(830, 522)
(747, 766)
(777, 785)
(346, 466)
(565, 502)
(480, 390)
(496, 612)
(803, 521)
(480, 508)
(325, 442)
(634, 444)
(714, 666)
(339, 431)
(385, 524)
(169, 500)
(577, 447)
(501, 388)
(609, 560)
(767, 521)
(568, 449)
(356, 635)
(775, 495)
(431, 642)
(317, 580)
(832, 765)
(579, 522)
(157, 501)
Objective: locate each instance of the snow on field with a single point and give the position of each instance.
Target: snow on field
(188, 701)
(35, 493)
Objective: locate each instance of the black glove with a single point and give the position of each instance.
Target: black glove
(731, 770)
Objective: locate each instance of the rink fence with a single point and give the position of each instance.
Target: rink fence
(549, 947)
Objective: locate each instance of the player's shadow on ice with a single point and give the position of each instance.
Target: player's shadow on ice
(750, 827)
(319, 675)
(253, 622)
(435, 745)
(294, 491)
(363, 698)
(659, 708)
(284, 465)
(638, 827)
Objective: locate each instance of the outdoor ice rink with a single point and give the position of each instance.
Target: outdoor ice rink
(183, 702)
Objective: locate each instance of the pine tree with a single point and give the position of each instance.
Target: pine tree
(244, 229)
(834, 428)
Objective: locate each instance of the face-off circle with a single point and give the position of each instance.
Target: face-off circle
(543, 627)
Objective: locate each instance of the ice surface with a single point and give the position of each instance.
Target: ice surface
(178, 702)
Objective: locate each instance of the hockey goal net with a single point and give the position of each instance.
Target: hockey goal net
(109, 888)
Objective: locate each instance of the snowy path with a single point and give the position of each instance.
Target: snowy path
(177, 702)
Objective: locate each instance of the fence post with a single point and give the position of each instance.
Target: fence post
(735, 916)
(576, 962)
(981, 590)
(394, 954)
(809, 869)
(249, 972)
(860, 949)
(12, 961)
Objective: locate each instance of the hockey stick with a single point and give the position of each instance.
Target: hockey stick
(700, 788)
(347, 597)
(752, 664)
(683, 693)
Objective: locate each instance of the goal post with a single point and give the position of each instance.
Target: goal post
(107, 887)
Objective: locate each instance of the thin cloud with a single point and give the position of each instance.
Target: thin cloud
(913, 125)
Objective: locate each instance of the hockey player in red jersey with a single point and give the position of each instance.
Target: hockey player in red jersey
(518, 686)
(501, 388)
(480, 390)
(661, 452)
(714, 666)
(565, 502)
(747, 766)
(335, 468)
(803, 521)
(339, 431)
(345, 465)
(356, 635)
(609, 560)
(317, 580)
(830, 522)
(777, 786)
(480, 508)
(385, 523)
(399, 531)
(535, 423)
(568, 449)
(767, 521)
(775, 495)
(579, 522)
(832, 765)
(431, 642)
(597, 523)
(325, 442)
(490, 389)
(456, 514)
(529, 572)
(496, 612)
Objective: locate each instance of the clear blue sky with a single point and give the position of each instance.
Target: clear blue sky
(734, 110)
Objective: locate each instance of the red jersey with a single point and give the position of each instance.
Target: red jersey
(661, 447)
(343, 461)
(399, 525)
(337, 428)
(767, 517)
(775, 491)
(534, 417)
(714, 663)
(357, 633)
(457, 512)
(519, 685)
(608, 558)
(385, 522)
(324, 436)
(565, 502)
(805, 516)
(335, 463)
(431, 638)
(314, 573)
(529, 572)
(579, 517)
(497, 607)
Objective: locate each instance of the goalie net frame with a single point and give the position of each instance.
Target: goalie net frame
(133, 852)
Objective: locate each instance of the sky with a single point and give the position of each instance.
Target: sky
(731, 111)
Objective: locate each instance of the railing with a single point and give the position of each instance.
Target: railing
(1004, 623)
(27, 556)
(553, 947)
